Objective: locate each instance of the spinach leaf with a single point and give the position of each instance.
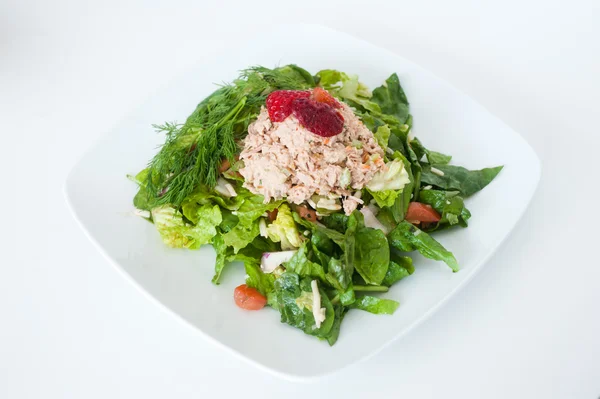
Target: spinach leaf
(386, 217)
(437, 158)
(347, 297)
(372, 254)
(334, 235)
(418, 148)
(308, 78)
(468, 182)
(375, 305)
(336, 221)
(355, 221)
(302, 266)
(401, 202)
(407, 237)
(334, 333)
(395, 143)
(449, 204)
(293, 300)
(339, 276)
(391, 99)
(400, 267)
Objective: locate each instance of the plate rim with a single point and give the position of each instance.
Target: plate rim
(310, 378)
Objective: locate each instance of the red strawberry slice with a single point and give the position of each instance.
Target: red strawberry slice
(279, 103)
(321, 95)
(319, 118)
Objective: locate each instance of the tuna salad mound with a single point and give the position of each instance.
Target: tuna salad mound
(315, 184)
(286, 160)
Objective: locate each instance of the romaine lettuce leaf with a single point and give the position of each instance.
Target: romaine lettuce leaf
(385, 197)
(240, 236)
(178, 234)
(394, 178)
(141, 199)
(254, 207)
(263, 282)
(382, 135)
(284, 229)
(348, 88)
(221, 259)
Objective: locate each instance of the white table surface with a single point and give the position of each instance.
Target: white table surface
(528, 326)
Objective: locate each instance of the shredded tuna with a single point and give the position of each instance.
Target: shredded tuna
(284, 160)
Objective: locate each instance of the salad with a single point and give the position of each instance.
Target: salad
(315, 183)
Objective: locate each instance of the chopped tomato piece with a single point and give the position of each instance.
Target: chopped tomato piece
(249, 298)
(419, 212)
(306, 213)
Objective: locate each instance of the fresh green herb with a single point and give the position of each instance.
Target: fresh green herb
(193, 151)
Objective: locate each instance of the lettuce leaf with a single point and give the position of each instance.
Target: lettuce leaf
(399, 268)
(284, 229)
(293, 303)
(391, 99)
(178, 234)
(400, 207)
(263, 282)
(141, 199)
(394, 178)
(334, 333)
(349, 88)
(457, 178)
(221, 259)
(407, 238)
(302, 266)
(372, 255)
(366, 250)
(385, 197)
(438, 158)
(240, 236)
(449, 204)
(375, 305)
(382, 135)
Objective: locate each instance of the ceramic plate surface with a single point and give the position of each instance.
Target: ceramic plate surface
(445, 120)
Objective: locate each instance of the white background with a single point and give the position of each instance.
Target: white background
(528, 326)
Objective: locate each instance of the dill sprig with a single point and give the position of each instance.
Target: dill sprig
(192, 152)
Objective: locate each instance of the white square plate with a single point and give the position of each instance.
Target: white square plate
(180, 280)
